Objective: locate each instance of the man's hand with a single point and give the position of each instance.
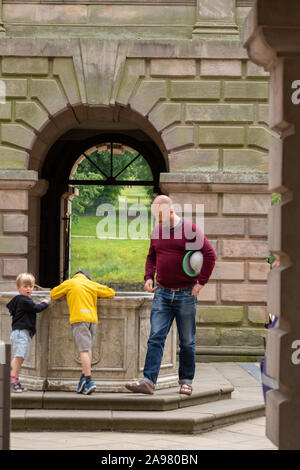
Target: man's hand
(196, 289)
(149, 285)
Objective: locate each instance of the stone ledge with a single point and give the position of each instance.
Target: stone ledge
(215, 177)
(154, 48)
(219, 358)
(199, 419)
(18, 179)
(226, 351)
(28, 400)
(214, 182)
(162, 400)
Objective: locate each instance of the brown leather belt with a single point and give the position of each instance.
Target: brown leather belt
(175, 289)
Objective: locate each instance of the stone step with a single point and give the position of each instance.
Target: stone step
(162, 400)
(191, 420)
(207, 358)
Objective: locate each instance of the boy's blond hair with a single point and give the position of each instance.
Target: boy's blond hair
(25, 278)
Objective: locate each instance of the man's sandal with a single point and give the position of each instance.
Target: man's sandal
(186, 389)
(140, 387)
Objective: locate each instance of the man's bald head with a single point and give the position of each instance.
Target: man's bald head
(162, 209)
(162, 199)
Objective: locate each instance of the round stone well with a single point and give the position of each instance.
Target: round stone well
(119, 348)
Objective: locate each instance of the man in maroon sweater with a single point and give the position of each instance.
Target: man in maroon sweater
(176, 293)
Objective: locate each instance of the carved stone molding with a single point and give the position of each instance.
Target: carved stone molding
(215, 17)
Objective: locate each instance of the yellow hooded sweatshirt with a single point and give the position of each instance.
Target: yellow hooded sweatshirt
(82, 296)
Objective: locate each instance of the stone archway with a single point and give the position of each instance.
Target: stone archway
(55, 175)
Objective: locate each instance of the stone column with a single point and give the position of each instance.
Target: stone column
(5, 357)
(34, 209)
(271, 35)
(2, 28)
(65, 219)
(215, 17)
(14, 186)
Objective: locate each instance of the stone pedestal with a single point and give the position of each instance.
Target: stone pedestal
(119, 348)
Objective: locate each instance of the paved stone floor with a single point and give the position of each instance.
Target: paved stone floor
(246, 435)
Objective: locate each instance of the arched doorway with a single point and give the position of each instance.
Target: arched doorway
(57, 169)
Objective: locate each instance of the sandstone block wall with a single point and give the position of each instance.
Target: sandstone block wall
(203, 103)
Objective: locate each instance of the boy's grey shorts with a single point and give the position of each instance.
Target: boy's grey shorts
(84, 333)
(21, 343)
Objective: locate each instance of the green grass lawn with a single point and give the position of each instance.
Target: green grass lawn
(87, 225)
(110, 261)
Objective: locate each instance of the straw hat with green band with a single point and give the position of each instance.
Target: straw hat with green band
(192, 263)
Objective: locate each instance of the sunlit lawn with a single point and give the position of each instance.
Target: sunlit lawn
(110, 260)
(87, 225)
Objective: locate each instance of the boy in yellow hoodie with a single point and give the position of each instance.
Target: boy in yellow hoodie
(82, 294)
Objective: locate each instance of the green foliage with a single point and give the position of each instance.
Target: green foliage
(88, 195)
(275, 199)
(271, 259)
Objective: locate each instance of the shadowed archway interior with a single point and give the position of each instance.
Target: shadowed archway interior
(57, 170)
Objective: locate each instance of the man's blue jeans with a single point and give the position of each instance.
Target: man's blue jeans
(166, 306)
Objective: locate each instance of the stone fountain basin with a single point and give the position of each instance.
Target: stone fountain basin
(119, 348)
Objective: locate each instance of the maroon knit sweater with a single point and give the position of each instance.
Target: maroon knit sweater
(167, 250)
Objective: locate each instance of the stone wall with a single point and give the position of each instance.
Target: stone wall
(232, 306)
(198, 97)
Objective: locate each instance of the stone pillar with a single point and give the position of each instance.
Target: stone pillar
(14, 186)
(215, 17)
(34, 209)
(65, 230)
(5, 356)
(2, 28)
(271, 35)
